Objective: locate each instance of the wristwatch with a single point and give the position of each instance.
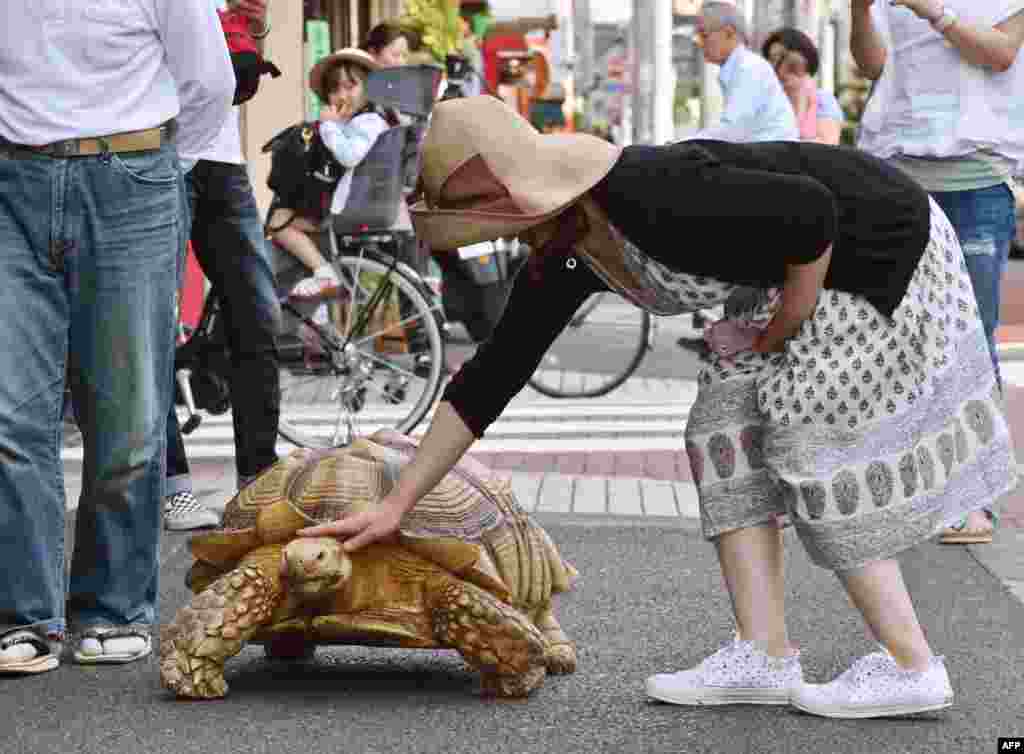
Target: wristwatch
(944, 21)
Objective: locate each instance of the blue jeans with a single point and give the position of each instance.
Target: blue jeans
(89, 254)
(985, 221)
(227, 238)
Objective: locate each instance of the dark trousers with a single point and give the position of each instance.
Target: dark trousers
(227, 239)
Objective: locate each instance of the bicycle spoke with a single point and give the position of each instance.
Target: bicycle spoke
(573, 368)
(357, 377)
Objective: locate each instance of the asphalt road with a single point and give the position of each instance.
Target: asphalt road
(649, 600)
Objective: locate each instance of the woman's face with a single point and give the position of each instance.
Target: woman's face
(776, 51)
(792, 70)
(393, 54)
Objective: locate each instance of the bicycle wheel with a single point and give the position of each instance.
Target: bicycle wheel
(376, 362)
(599, 349)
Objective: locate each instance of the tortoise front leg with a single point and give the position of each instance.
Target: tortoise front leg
(217, 623)
(493, 637)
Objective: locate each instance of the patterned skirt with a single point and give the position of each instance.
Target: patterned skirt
(872, 433)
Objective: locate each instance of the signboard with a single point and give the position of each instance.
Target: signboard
(318, 45)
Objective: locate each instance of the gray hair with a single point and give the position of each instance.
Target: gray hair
(719, 14)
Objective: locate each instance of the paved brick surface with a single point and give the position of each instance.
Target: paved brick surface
(666, 465)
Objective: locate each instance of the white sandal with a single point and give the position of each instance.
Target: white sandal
(102, 634)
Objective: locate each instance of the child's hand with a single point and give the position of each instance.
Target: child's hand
(340, 113)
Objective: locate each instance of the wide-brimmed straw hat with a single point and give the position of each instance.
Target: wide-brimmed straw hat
(488, 173)
(344, 55)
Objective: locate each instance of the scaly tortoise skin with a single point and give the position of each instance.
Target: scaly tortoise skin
(469, 570)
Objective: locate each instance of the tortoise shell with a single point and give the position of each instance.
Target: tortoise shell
(470, 523)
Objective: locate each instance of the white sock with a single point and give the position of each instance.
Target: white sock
(19, 652)
(125, 645)
(320, 314)
(325, 272)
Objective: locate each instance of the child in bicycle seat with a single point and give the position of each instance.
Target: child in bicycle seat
(349, 126)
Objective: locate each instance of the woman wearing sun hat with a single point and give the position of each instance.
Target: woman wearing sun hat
(856, 394)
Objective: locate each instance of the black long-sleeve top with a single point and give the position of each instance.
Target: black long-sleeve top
(734, 212)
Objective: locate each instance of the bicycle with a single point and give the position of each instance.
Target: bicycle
(562, 372)
(363, 369)
(379, 358)
(624, 332)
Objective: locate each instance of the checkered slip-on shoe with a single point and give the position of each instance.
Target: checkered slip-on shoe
(183, 511)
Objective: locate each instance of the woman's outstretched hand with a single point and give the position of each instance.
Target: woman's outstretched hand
(360, 529)
(442, 446)
(798, 300)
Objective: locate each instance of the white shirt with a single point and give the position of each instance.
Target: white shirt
(227, 147)
(756, 108)
(930, 102)
(97, 67)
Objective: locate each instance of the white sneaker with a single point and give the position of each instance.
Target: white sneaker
(875, 686)
(738, 673)
(182, 511)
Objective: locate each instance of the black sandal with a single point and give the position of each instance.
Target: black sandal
(44, 659)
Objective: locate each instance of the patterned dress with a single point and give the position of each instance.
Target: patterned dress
(872, 433)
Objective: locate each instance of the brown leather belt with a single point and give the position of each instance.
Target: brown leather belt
(131, 141)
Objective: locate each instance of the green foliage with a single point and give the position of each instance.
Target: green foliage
(438, 24)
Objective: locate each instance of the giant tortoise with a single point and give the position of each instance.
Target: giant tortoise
(468, 570)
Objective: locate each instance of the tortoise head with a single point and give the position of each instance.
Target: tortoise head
(314, 567)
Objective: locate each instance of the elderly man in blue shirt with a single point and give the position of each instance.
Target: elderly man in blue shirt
(756, 107)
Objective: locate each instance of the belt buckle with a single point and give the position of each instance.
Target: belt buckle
(66, 148)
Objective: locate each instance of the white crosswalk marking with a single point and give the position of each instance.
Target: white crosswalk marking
(642, 415)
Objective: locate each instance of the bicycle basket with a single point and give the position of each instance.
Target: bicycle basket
(376, 190)
(410, 89)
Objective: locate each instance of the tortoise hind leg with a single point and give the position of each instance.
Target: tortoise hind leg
(560, 653)
(214, 627)
(493, 637)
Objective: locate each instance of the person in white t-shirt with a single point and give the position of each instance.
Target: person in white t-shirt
(228, 242)
(96, 102)
(946, 110)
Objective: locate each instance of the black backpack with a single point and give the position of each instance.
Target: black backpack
(303, 171)
(304, 174)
